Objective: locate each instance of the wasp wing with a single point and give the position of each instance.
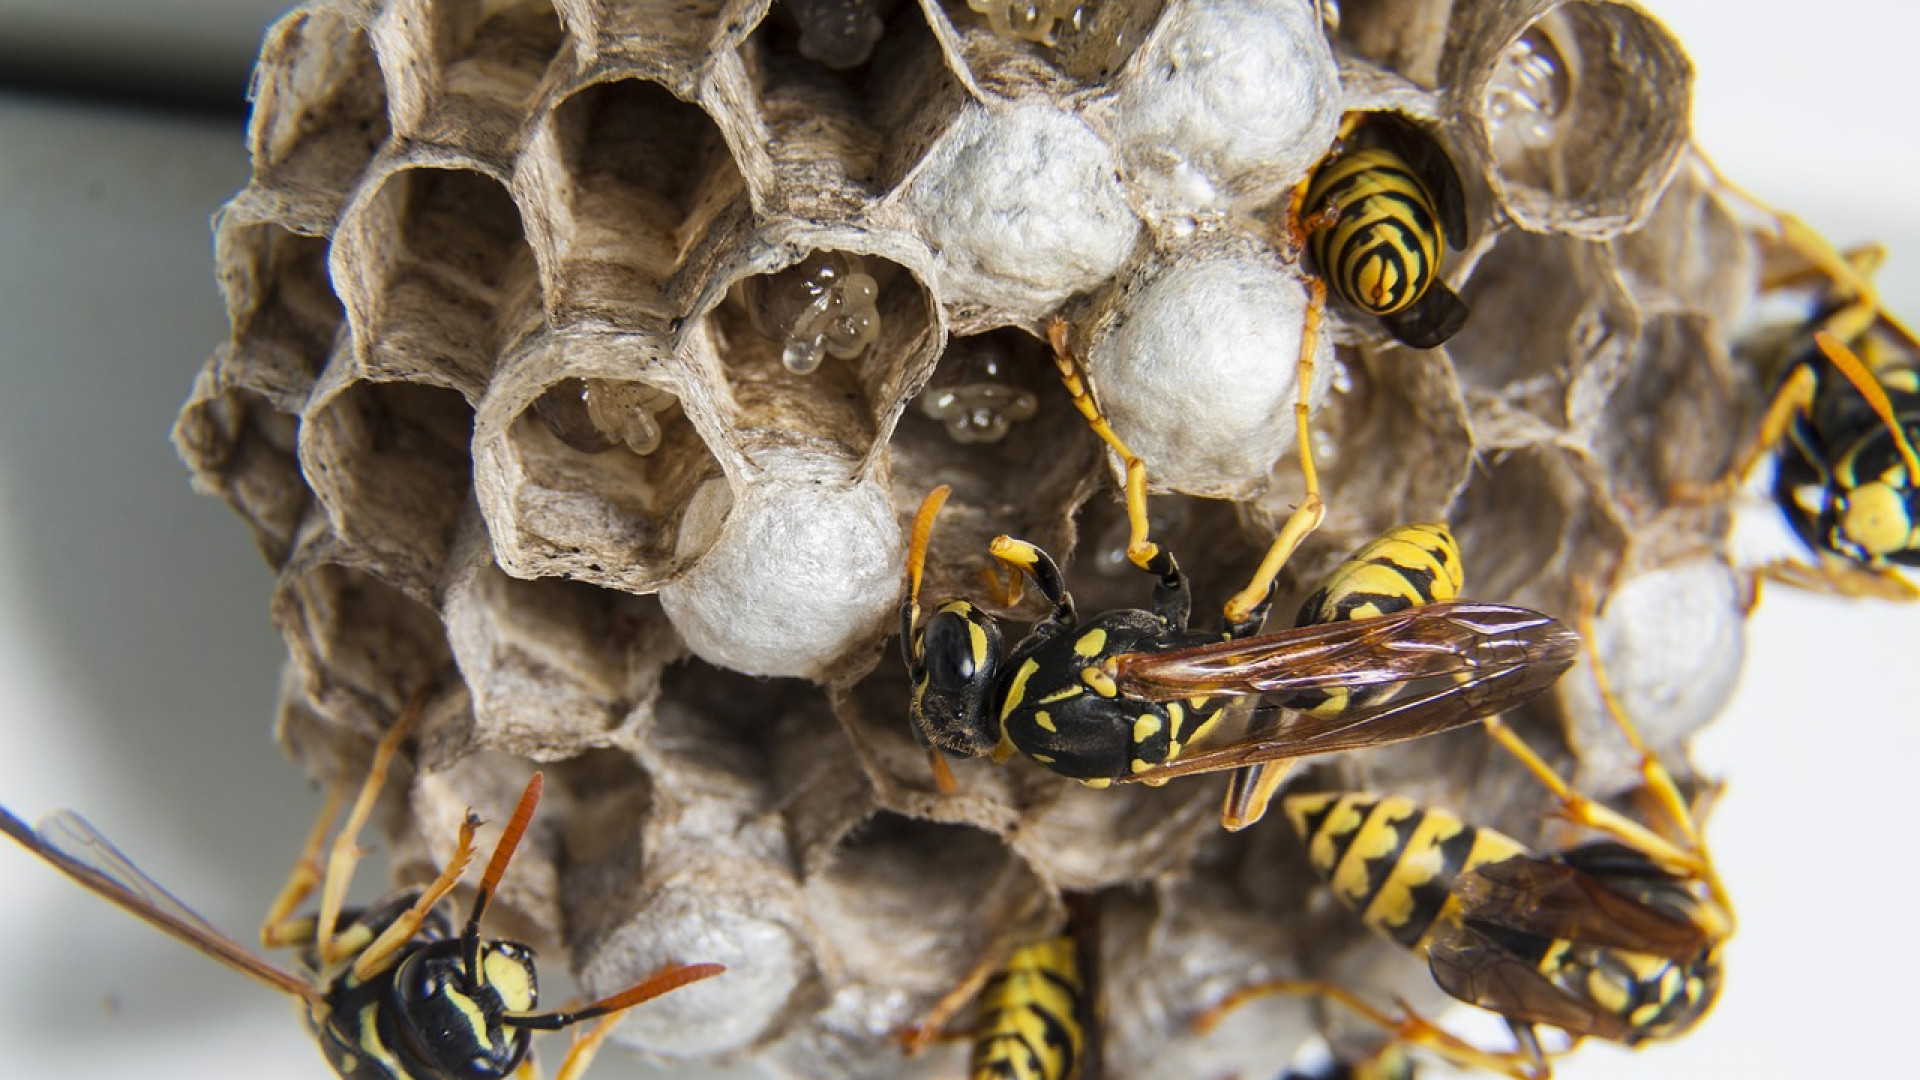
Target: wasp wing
(1447, 665)
(1474, 968)
(1429, 321)
(78, 850)
(1553, 899)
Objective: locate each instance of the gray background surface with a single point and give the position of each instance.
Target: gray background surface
(138, 666)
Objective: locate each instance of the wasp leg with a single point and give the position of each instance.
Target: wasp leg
(1690, 857)
(1837, 577)
(1407, 1029)
(1039, 567)
(933, 1027)
(1140, 548)
(1310, 512)
(281, 927)
(378, 956)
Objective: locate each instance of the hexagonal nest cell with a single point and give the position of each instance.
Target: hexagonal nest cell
(588, 363)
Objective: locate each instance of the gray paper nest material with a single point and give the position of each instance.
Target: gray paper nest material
(458, 209)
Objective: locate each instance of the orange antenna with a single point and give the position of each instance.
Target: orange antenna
(922, 533)
(497, 868)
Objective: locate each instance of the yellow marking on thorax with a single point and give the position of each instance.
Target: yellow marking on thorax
(1101, 682)
(1044, 721)
(1145, 726)
(1017, 688)
(370, 1043)
(1091, 643)
(1065, 693)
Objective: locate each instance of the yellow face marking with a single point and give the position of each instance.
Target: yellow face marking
(1145, 727)
(510, 979)
(1091, 643)
(1045, 721)
(1101, 682)
(1876, 519)
(977, 643)
(469, 1011)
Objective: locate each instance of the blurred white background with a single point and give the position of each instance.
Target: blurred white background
(138, 666)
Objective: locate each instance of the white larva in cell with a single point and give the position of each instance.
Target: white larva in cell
(822, 306)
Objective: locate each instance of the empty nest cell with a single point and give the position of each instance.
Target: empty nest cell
(633, 177)
(390, 464)
(435, 255)
(319, 113)
(361, 647)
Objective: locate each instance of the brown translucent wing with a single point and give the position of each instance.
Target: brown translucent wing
(1473, 968)
(1552, 899)
(1449, 665)
(66, 840)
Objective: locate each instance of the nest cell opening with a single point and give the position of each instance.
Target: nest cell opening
(280, 301)
(641, 176)
(913, 905)
(587, 504)
(842, 403)
(497, 52)
(239, 445)
(1527, 296)
(361, 647)
(391, 464)
(858, 129)
(439, 248)
(307, 147)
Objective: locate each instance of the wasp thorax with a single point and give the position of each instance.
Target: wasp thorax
(977, 403)
(820, 306)
(1529, 93)
(597, 415)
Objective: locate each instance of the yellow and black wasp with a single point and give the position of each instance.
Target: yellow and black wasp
(1125, 696)
(1377, 215)
(1846, 477)
(391, 991)
(1618, 938)
(1037, 1011)
(1133, 696)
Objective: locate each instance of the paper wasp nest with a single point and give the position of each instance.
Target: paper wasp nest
(590, 358)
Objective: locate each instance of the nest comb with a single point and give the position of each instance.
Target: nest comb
(589, 358)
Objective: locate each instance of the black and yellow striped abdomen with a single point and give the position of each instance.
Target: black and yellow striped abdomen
(1031, 1025)
(1384, 249)
(1406, 566)
(1392, 861)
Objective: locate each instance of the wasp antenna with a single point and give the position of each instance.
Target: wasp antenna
(497, 868)
(667, 979)
(922, 534)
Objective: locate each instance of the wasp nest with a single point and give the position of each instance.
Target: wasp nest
(588, 359)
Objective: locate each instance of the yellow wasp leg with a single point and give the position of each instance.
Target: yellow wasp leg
(585, 1047)
(1409, 1028)
(1794, 398)
(281, 927)
(932, 1027)
(1870, 389)
(378, 956)
(345, 852)
(1692, 859)
(1308, 515)
(1140, 549)
(1840, 578)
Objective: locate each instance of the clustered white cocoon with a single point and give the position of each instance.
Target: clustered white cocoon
(1199, 379)
(797, 574)
(1674, 639)
(1023, 208)
(1230, 101)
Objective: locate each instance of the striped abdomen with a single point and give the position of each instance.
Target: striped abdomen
(1384, 250)
(1392, 861)
(1407, 566)
(1030, 1025)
